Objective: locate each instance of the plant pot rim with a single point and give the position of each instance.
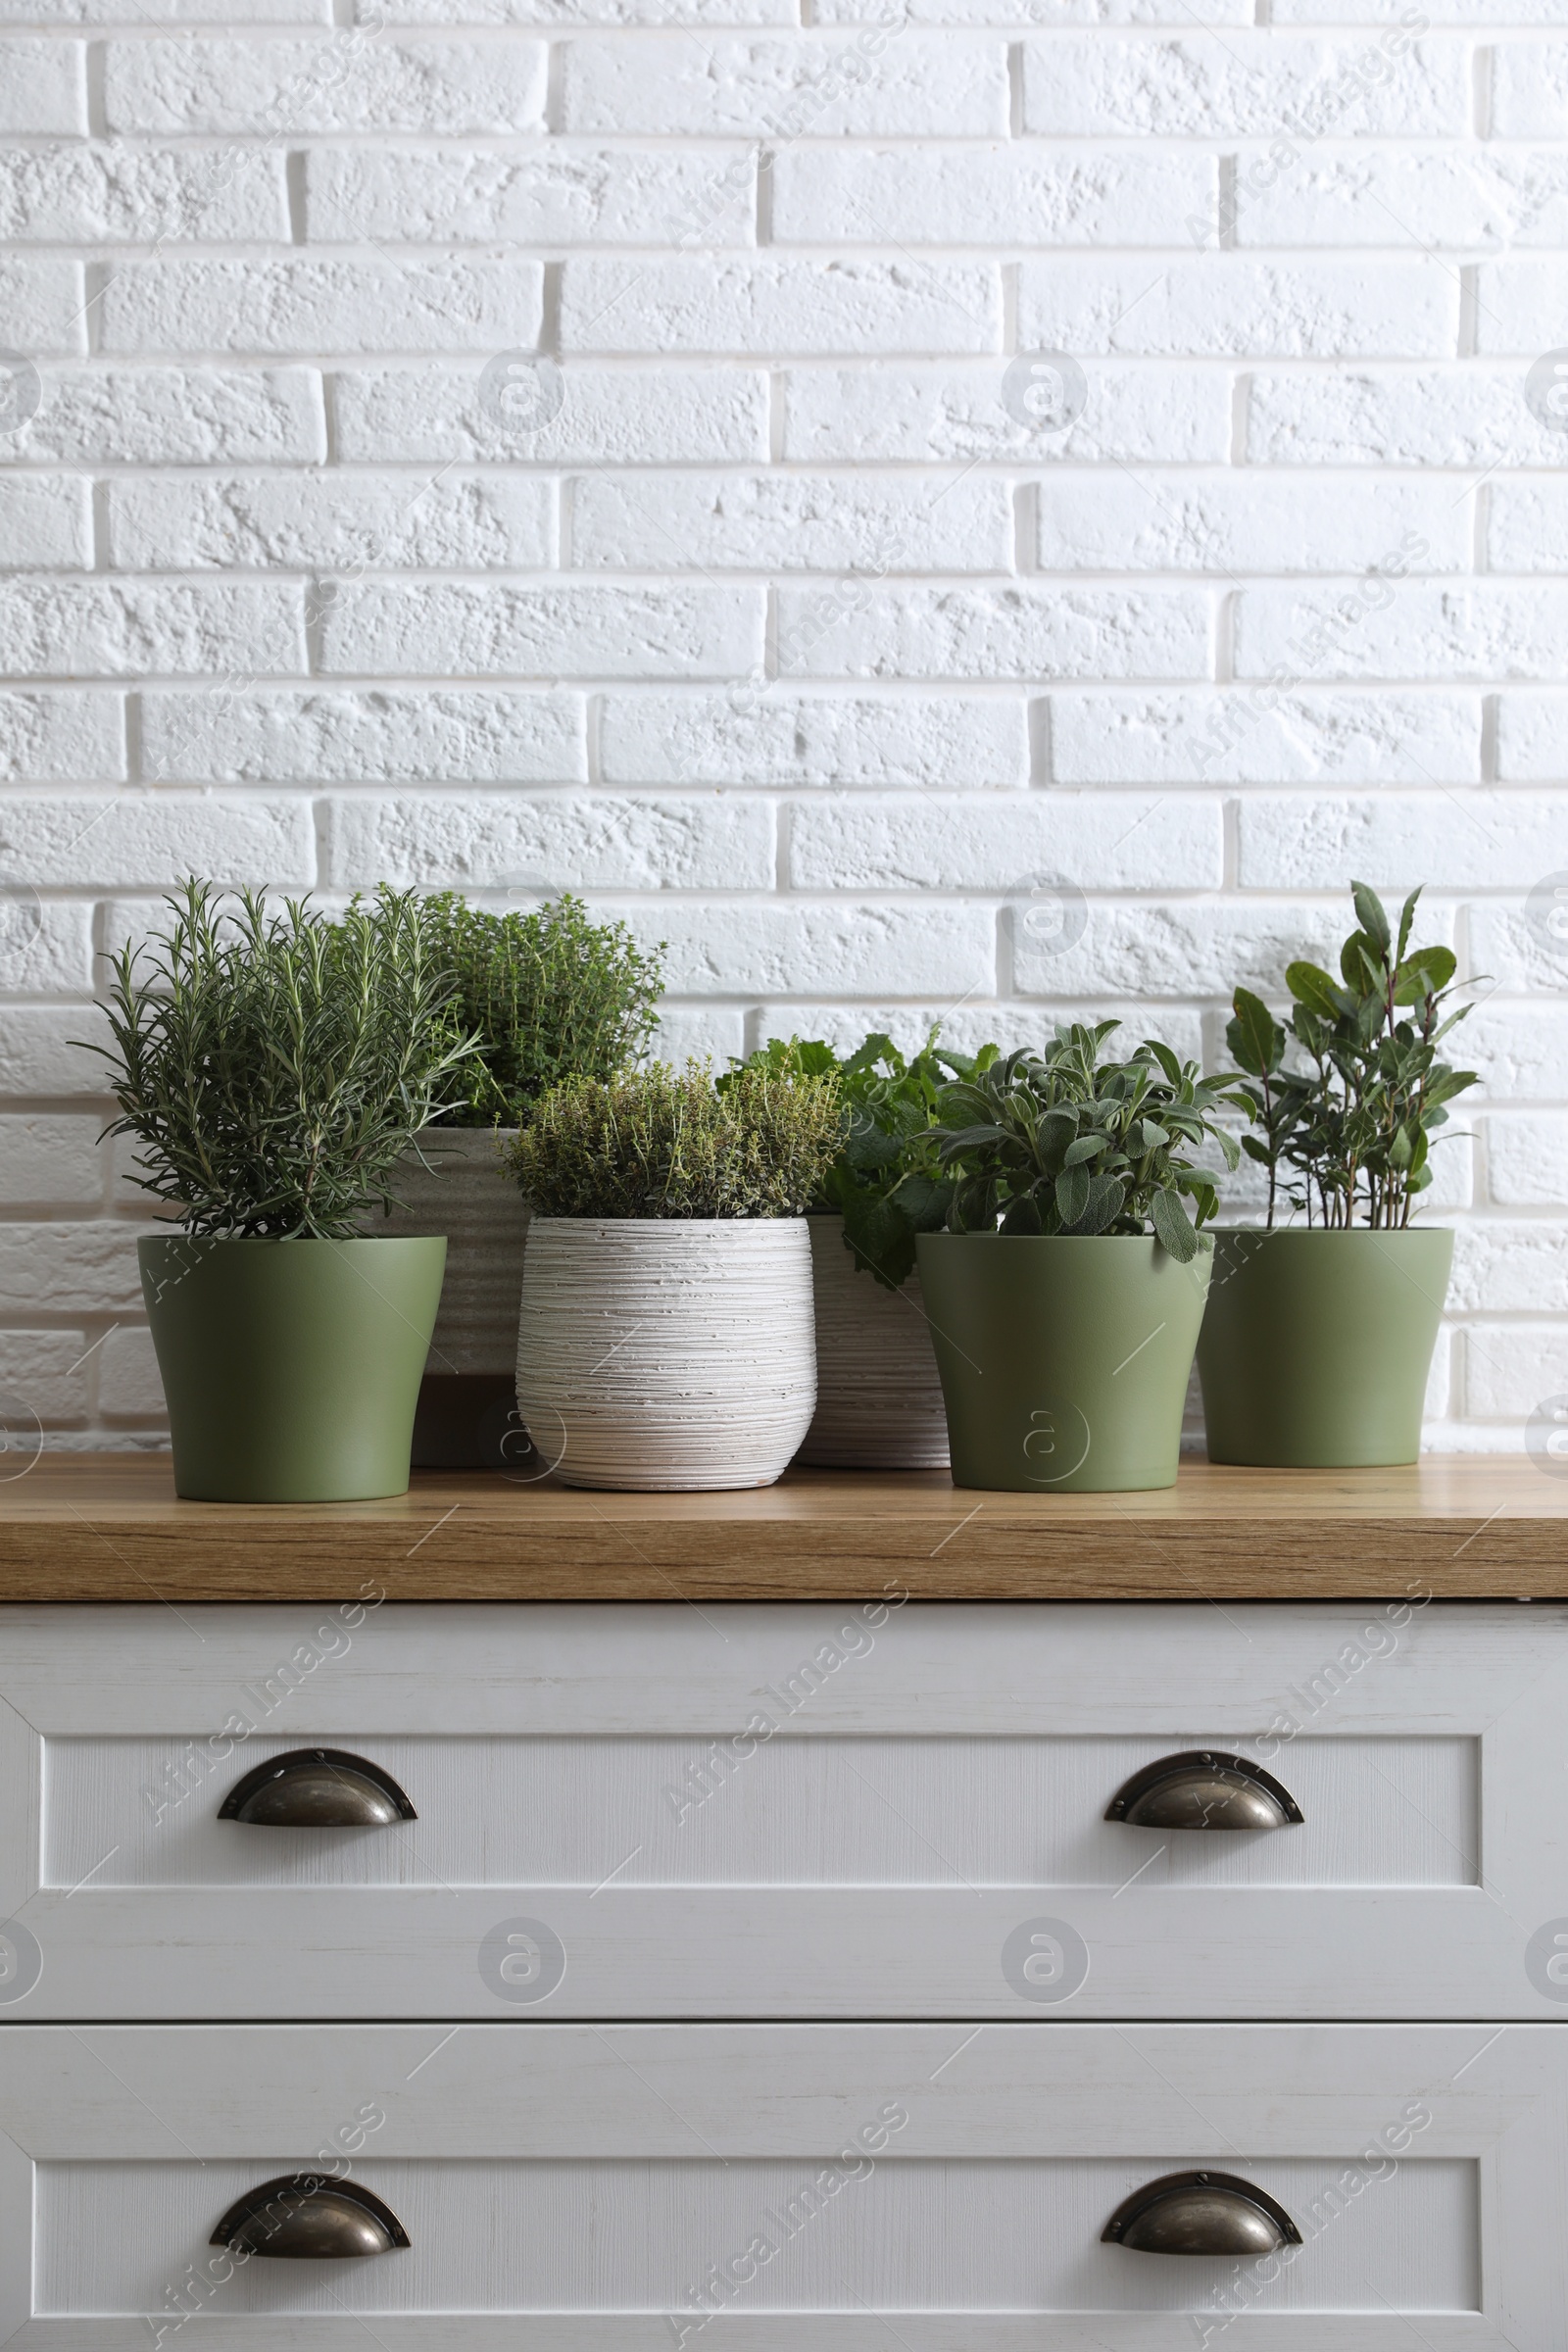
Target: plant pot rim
(277, 1241)
(1332, 1233)
(668, 1224)
(1069, 1241)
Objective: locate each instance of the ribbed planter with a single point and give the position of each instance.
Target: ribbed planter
(1064, 1358)
(465, 1397)
(291, 1368)
(878, 1397)
(1316, 1347)
(666, 1355)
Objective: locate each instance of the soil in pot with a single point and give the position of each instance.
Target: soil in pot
(291, 1368)
(1316, 1345)
(1064, 1358)
(666, 1355)
(466, 1401)
(878, 1397)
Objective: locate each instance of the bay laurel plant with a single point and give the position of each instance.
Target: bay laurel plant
(662, 1142)
(1063, 1143)
(886, 1179)
(548, 994)
(274, 1067)
(1344, 1130)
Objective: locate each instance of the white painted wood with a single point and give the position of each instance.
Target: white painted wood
(569, 2184)
(878, 1397)
(466, 1193)
(939, 1787)
(666, 1354)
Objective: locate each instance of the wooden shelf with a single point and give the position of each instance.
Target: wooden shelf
(108, 1528)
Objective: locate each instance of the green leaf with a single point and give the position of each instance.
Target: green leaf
(1360, 966)
(1424, 973)
(1311, 986)
(1370, 915)
(1254, 1037)
(1107, 1201)
(1173, 1227)
(1088, 1147)
(1406, 919)
(1166, 1059)
(1073, 1193)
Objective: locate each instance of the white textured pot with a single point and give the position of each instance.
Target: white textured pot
(466, 1396)
(878, 1396)
(663, 1354)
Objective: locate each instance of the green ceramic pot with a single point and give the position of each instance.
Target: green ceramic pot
(291, 1368)
(1064, 1360)
(1316, 1345)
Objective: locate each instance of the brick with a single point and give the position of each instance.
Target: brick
(1243, 85)
(1008, 844)
(568, 195)
(44, 1381)
(1025, 631)
(1482, 841)
(1438, 11)
(43, 88)
(1532, 738)
(1530, 81)
(337, 520)
(1474, 199)
(45, 523)
(553, 842)
(549, 14)
(345, 82)
(125, 629)
(1512, 1368)
(1519, 308)
(388, 630)
(1527, 526)
(1022, 195)
(1215, 736)
(608, 416)
(45, 948)
(1226, 305)
(1467, 417)
(433, 735)
(322, 306)
(50, 1159)
(1507, 1265)
(43, 306)
(117, 195)
(146, 841)
(763, 947)
(790, 522)
(925, 740)
(714, 1032)
(959, 412)
(1230, 524)
(1520, 944)
(1527, 1159)
(1208, 948)
(817, 85)
(1026, 15)
(170, 12)
(40, 1054)
(178, 416)
(780, 306)
(1521, 1051)
(963, 1025)
(62, 739)
(129, 1388)
(88, 1268)
(1483, 630)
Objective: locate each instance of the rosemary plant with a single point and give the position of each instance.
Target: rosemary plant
(274, 1067)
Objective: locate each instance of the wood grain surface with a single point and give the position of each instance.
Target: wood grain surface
(1467, 1527)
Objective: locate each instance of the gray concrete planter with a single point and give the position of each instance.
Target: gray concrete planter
(878, 1396)
(467, 1396)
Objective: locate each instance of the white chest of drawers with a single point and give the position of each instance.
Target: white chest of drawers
(786, 1973)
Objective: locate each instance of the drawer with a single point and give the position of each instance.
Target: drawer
(784, 1810)
(795, 2188)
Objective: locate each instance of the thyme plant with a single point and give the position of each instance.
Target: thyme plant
(274, 1067)
(550, 995)
(667, 1142)
(1063, 1143)
(1351, 1122)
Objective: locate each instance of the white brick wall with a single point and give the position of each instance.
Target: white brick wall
(543, 444)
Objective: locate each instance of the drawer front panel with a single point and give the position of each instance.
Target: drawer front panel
(784, 1811)
(808, 2185)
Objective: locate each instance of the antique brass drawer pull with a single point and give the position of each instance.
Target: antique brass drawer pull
(1204, 1790)
(1200, 2213)
(316, 1788)
(302, 2217)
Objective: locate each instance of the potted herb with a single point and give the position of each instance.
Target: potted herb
(665, 1339)
(1066, 1293)
(1319, 1337)
(548, 994)
(878, 1397)
(274, 1067)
